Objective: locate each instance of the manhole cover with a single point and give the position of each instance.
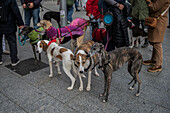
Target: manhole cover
(27, 66)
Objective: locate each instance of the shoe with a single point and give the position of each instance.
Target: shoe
(6, 52)
(68, 22)
(1, 62)
(168, 26)
(145, 45)
(78, 10)
(155, 69)
(148, 62)
(14, 64)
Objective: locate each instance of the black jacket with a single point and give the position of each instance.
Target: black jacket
(35, 2)
(13, 17)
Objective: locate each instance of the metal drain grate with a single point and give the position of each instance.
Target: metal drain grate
(27, 66)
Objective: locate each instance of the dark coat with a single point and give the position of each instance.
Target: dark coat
(36, 3)
(118, 30)
(13, 19)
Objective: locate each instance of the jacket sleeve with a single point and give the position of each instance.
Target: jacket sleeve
(132, 3)
(16, 13)
(22, 1)
(154, 7)
(112, 2)
(37, 2)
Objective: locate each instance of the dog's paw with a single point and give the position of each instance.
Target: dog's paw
(80, 88)
(51, 75)
(97, 74)
(59, 73)
(130, 46)
(88, 89)
(104, 101)
(131, 88)
(137, 94)
(69, 88)
(101, 95)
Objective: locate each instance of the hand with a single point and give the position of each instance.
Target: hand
(21, 26)
(31, 5)
(89, 15)
(24, 6)
(121, 6)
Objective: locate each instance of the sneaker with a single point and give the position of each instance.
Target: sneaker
(6, 52)
(14, 64)
(78, 10)
(1, 62)
(145, 45)
(148, 62)
(155, 69)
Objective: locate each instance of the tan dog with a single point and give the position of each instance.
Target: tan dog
(82, 63)
(71, 32)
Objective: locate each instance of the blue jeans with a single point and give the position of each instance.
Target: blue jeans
(32, 13)
(70, 10)
(76, 4)
(11, 38)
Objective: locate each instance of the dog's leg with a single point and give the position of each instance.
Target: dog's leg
(89, 81)
(58, 68)
(133, 41)
(81, 83)
(33, 48)
(72, 45)
(137, 41)
(67, 69)
(51, 70)
(139, 83)
(39, 56)
(95, 71)
(105, 85)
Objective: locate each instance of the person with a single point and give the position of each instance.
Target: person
(9, 27)
(156, 35)
(76, 2)
(70, 10)
(92, 11)
(31, 9)
(117, 34)
(169, 20)
(140, 11)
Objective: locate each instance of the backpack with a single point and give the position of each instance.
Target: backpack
(3, 15)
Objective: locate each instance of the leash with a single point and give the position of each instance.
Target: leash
(19, 38)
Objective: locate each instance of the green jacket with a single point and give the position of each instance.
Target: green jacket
(70, 2)
(140, 9)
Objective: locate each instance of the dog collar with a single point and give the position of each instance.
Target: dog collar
(51, 42)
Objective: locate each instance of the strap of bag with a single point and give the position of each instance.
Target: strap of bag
(162, 14)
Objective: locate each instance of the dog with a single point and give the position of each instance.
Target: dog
(63, 35)
(52, 15)
(135, 33)
(82, 63)
(34, 36)
(58, 53)
(112, 61)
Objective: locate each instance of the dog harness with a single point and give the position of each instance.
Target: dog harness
(54, 40)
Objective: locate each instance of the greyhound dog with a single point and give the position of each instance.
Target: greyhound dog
(112, 61)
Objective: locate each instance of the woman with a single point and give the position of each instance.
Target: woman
(156, 35)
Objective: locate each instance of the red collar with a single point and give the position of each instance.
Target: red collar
(132, 26)
(49, 28)
(51, 42)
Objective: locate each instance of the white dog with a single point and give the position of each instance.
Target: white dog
(58, 53)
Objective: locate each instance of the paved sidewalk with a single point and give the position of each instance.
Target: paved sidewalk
(37, 93)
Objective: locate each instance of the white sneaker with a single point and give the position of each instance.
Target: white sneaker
(1, 63)
(14, 64)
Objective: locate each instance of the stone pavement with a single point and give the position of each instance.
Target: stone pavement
(37, 93)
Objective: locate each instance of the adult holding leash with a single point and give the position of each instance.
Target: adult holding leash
(10, 18)
(117, 34)
(31, 9)
(156, 35)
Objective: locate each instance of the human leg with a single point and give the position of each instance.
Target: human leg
(27, 17)
(70, 10)
(11, 38)
(1, 35)
(35, 14)
(4, 46)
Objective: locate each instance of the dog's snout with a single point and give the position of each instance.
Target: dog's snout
(81, 71)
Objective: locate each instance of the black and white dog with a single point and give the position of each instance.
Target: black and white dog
(112, 61)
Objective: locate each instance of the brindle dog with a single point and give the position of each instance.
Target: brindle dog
(112, 61)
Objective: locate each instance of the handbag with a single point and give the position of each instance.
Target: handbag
(152, 21)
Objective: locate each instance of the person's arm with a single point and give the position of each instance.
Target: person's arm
(22, 2)
(154, 7)
(17, 13)
(114, 3)
(89, 5)
(37, 2)
(132, 3)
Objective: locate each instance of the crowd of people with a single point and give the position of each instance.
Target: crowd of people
(117, 33)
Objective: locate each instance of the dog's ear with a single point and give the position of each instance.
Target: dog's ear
(45, 46)
(73, 57)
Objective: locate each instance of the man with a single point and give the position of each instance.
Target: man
(8, 26)
(31, 9)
